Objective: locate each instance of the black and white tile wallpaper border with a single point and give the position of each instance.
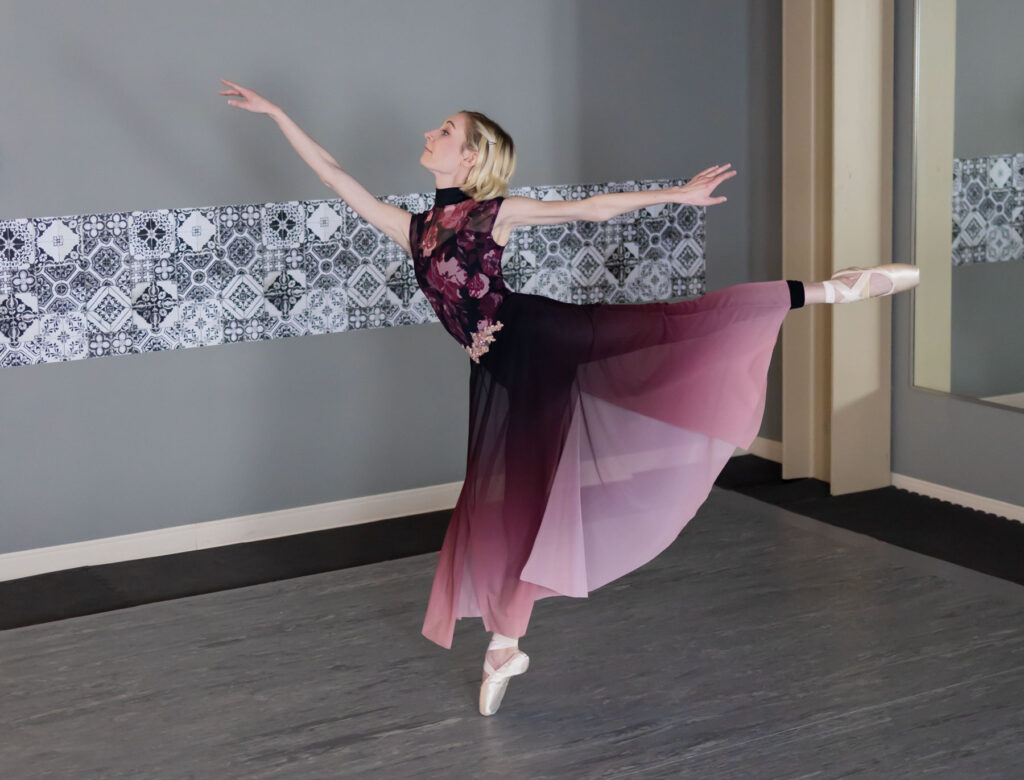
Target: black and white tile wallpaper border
(99, 285)
(988, 209)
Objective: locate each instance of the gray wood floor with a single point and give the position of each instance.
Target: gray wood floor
(761, 645)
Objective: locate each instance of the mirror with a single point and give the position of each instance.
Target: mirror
(968, 210)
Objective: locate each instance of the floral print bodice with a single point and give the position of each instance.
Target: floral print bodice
(458, 266)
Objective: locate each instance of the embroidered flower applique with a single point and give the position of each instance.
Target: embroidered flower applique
(482, 337)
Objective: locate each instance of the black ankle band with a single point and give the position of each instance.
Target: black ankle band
(796, 294)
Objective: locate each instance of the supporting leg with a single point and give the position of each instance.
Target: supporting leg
(500, 650)
(512, 660)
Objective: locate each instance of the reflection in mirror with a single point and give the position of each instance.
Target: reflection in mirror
(969, 199)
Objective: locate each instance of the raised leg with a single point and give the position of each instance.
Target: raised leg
(857, 284)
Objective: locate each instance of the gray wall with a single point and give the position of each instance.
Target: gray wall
(987, 324)
(938, 437)
(989, 90)
(109, 110)
(989, 120)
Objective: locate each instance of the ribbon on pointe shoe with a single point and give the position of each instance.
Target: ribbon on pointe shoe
(492, 690)
(860, 290)
(901, 277)
(503, 672)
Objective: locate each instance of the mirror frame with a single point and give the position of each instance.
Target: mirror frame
(914, 227)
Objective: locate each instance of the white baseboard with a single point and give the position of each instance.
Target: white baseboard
(353, 511)
(959, 497)
(247, 528)
(772, 450)
(231, 530)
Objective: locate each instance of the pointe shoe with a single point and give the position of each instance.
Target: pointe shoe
(492, 690)
(901, 276)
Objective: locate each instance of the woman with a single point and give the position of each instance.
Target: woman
(596, 430)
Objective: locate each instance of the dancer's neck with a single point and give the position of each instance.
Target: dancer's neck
(445, 196)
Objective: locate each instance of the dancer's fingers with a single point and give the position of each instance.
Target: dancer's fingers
(716, 173)
(240, 89)
(717, 169)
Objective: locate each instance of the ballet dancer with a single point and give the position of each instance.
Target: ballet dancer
(541, 513)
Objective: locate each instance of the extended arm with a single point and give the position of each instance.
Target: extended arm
(391, 220)
(519, 212)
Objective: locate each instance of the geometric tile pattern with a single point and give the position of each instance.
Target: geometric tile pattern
(99, 285)
(988, 209)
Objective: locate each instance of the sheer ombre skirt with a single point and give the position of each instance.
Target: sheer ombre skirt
(596, 431)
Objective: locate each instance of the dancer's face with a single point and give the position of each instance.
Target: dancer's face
(443, 153)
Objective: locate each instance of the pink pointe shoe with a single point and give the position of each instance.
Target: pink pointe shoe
(901, 277)
(492, 690)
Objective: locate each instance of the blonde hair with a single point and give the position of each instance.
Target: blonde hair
(496, 160)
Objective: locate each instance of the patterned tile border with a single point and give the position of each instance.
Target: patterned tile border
(988, 209)
(100, 285)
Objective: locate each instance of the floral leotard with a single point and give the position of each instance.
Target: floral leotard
(458, 266)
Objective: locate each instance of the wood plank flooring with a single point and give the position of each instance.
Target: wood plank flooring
(762, 644)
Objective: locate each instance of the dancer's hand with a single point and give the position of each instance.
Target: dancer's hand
(697, 191)
(253, 102)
